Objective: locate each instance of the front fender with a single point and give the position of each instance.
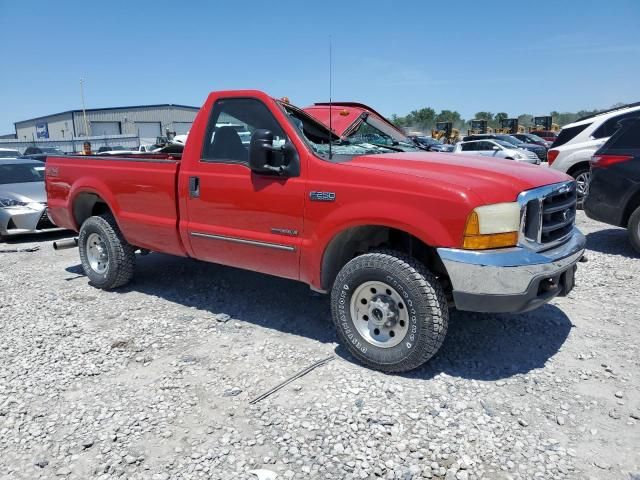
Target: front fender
(431, 230)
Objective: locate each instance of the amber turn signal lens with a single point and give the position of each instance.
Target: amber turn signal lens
(492, 240)
(474, 240)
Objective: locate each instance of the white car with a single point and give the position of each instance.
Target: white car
(496, 149)
(9, 153)
(578, 141)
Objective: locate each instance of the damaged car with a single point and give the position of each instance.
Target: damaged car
(23, 200)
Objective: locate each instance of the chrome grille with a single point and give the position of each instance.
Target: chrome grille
(548, 215)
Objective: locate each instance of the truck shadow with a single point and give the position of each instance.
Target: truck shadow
(613, 241)
(497, 346)
(482, 347)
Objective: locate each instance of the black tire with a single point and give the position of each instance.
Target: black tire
(633, 229)
(121, 258)
(577, 173)
(426, 306)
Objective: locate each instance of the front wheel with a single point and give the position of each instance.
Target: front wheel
(107, 258)
(633, 229)
(390, 312)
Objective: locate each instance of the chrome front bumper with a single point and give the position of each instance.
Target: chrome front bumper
(514, 279)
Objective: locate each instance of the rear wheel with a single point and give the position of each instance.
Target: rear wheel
(633, 229)
(106, 257)
(389, 310)
(582, 176)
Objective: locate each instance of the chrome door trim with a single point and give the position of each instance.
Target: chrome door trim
(243, 241)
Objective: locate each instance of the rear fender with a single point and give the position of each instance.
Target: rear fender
(94, 186)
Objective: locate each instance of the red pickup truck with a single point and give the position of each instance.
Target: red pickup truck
(396, 235)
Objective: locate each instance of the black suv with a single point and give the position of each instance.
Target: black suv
(613, 196)
(539, 150)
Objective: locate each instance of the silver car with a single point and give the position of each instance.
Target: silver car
(23, 200)
(9, 153)
(497, 149)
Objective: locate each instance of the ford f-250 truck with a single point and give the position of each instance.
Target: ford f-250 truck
(396, 237)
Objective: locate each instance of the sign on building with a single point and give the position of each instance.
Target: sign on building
(42, 130)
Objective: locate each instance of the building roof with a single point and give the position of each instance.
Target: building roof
(159, 105)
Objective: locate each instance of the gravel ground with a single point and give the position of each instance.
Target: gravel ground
(154, 380)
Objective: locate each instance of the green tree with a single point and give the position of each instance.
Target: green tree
(488, 116)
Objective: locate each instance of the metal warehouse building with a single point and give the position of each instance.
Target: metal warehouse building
(144, 121)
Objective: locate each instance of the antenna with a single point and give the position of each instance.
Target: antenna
(330, 110)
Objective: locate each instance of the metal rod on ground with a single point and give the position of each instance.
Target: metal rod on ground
(20, 250)
(301, 373)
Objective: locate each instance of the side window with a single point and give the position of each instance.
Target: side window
(630, 137)
(231, 124)
(568, 134)
(609, 127)
(483, 146)
(468, 147)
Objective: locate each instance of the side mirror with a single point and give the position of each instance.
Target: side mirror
(266, 159)
(495, 147)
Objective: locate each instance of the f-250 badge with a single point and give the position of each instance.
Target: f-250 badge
(322, 196)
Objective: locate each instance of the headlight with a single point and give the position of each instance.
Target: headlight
(492, 226)
(10, 202)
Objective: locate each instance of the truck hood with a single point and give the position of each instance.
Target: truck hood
(492, 180)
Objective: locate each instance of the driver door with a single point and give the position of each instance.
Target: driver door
(237, 217)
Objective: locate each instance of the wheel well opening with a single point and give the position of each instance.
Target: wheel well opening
(87, 205)
(363, 239)
(577, 167)
(630, 208)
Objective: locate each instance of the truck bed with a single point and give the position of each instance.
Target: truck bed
(140, 190)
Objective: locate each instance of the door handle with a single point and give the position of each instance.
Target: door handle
(194, 187)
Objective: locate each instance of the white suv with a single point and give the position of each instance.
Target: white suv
(578, 141)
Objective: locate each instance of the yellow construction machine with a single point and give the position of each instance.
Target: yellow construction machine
(445, 133)
(478, 127)
(544, 124)
(509, 126)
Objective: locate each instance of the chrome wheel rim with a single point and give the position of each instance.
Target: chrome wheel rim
(97, 255)
(582, 182)
(379, 314)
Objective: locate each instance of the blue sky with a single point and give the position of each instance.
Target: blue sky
(515, 57)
